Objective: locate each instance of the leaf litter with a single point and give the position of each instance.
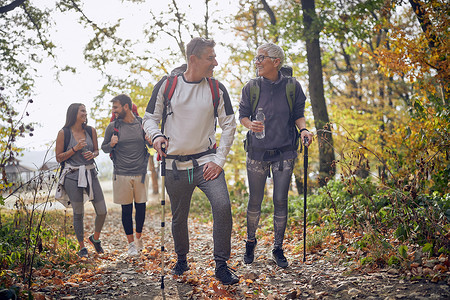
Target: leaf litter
(326, 273)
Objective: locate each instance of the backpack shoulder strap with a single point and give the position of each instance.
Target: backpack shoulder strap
(88, 129)
(66, 138)
(255, 89)
(290, 93)
(116, 127)
(171, 83)
(169, 89)
(214, 86)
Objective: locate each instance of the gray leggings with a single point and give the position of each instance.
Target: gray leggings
(257, 172)
(180, 193)
(75, 194)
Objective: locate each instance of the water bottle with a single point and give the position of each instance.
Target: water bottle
(260, 117)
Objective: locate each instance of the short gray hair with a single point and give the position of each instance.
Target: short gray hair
(274, 51)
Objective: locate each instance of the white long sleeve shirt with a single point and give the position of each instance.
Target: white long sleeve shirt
(190, 124)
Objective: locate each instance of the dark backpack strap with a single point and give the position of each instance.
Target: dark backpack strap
(88, 129)
(171, 83)
(66, 131)
(112, 154)
(66, 137)
(290, 95)
(147, 155)
(255, 89)
(116, 128)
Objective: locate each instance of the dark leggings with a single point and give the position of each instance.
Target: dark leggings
(127, 217)
(257, 172)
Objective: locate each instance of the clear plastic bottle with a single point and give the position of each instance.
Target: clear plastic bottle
(260, 117)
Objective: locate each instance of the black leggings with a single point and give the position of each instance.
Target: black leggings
(127, 217)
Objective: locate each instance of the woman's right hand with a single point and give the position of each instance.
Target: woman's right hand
(81, 143)
(257, 126)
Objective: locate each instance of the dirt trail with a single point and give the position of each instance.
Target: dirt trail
(115, 276)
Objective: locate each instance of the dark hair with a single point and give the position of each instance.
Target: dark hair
(197, 45)
(123, 99)
(71, 115)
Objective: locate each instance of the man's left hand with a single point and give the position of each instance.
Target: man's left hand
(306, 134)
(211, 171)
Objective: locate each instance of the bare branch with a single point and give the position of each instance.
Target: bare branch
(38, 30)
(273, 19)
(13, 5)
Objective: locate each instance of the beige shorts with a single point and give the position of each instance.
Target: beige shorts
(127, 188)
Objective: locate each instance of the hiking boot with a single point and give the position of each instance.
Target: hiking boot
(83, 253)
(97, 244)
(279, 258)
(226, 275)
(132, 251)
(180, 267)
(249, 255)
(139, 244)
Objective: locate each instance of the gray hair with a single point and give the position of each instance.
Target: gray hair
(197, 45)
(274, 51)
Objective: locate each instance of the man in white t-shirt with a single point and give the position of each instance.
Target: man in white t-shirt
(192, 158)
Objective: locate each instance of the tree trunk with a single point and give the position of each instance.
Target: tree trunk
(321, 120)
(154, 175)
(433, 42)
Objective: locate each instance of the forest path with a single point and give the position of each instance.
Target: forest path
(113, 275)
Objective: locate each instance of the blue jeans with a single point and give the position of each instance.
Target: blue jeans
(257, 172)
(180, 193)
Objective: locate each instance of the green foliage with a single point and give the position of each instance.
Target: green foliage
(375, 211)
(428, 248)
(19, 236)
(403, 251)
(394, 261)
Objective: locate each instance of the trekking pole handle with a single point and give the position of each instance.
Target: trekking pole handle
(163, 160)
(305, 141)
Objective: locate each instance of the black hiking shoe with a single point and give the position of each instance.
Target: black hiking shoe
(226, 275)
(180, 267)
(249, 255)
(279, 258)
(97, 244)
(83, 253)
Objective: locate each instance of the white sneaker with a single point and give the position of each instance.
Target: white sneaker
(139, 244)
(132, 251)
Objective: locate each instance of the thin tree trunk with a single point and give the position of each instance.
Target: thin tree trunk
(321, 120)
(154, 175)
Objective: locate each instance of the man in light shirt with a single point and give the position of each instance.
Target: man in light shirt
(192, 158)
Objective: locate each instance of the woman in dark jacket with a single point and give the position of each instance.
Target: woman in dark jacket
(277, 150)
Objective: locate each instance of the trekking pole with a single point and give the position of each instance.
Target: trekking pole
(305, 191)
(163, 216)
